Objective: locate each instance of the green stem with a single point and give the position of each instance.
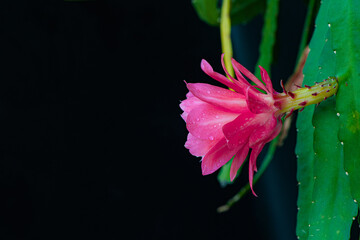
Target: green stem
(269, 156)
(225, 35)
(306, 29)
(268, 37)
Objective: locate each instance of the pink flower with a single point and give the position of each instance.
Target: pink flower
(223, 123)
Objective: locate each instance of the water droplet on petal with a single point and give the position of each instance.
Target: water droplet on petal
(211, 138)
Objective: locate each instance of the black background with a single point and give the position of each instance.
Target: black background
(90, 128)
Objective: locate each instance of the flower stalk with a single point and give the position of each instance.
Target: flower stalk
(290, 101)
(225, 35)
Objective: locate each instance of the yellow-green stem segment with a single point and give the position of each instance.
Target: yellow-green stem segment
(225, 34)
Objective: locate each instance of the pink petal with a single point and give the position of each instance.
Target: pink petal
(238, 161)
(276, 131)
(265, 77)
(189, 104)
(241, 82)
(206, 121)
(184, 115)
(248, 74)
(218, 96)
(252, 164)
(225, 70)
(263, 131)
(217, 157)
(198, 147)
(251, 176)
(258, 102)
(206, 67)
(238, 131)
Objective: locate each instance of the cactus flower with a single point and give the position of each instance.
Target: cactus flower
(225, 123)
